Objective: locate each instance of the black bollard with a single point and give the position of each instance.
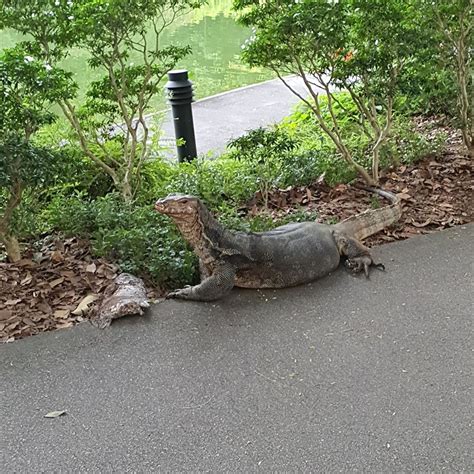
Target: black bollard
(180, 96)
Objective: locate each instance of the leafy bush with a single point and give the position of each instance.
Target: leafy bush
(259, 161)
(142, 242)
(304, 127)
(139, 239)
(264, 152)
(27, 89)
(450, 32)
(428, 88)
(216, 181)
(351, 45)
(404, 144)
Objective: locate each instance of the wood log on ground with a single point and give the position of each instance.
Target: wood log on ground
(126, 296)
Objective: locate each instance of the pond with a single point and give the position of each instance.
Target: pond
(214, 65)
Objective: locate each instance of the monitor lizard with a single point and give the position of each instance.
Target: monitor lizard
(289, 255)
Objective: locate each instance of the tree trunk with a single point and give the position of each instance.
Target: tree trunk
(364, 174)
(12, 246)
(127, 192)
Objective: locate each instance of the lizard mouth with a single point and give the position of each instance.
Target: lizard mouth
(160, 206)
(163, 208)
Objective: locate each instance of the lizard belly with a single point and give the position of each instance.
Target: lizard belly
(292, 262)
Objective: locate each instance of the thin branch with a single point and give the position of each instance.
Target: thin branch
(317, 111)
(360, 105)
(68, 110)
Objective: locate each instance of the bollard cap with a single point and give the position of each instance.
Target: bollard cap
(178, 79)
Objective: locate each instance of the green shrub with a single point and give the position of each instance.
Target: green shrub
(428, 89)
(216, 181)
(72, 214)
(142, 241)
(303, 126)
(139, 239)
(404, 144)
(264, 152)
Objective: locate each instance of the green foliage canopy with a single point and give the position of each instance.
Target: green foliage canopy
(27, 88)
(357, 45)
(110, 127)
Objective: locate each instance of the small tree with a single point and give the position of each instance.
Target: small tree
(453, 22)
(27, 88)
(357, 45)
(115, 33)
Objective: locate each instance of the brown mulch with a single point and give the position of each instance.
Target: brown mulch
(436, 193)
(52, 288)
(55, 287)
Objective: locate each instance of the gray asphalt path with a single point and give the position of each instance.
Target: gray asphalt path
(220, 118)
(340, 375)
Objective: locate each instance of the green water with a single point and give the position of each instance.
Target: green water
(214, 65)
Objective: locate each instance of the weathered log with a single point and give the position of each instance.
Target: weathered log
(125, 296)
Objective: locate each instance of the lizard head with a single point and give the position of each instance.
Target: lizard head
(178, 206)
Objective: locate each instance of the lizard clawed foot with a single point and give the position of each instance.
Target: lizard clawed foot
(363, 263)
(182, 293)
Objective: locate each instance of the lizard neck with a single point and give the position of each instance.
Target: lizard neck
(201, 230)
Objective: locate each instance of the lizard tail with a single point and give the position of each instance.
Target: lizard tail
(372, 221)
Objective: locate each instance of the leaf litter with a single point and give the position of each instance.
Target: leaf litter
(52, 289)
(436, 193)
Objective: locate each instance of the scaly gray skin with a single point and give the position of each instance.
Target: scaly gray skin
(286, 256)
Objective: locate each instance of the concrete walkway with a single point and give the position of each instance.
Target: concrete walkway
(340, 375)
(220, 118)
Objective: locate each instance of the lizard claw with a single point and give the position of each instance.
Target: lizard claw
(179, 294)
(357, 265)
(379, 266)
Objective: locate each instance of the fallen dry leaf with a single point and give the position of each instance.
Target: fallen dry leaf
(56, 282)
(91, 268)
(5, 314)
(65, 324)
(424, 224)
(25, 262)
(55, 414)
(26, 280)
(12, 302)
(61, 313)
(44, 307)
(83, 306)
(56, 256)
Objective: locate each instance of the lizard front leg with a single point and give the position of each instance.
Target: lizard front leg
(203, 270)
(211, 288)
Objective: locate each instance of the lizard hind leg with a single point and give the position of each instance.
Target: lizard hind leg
(358, 257)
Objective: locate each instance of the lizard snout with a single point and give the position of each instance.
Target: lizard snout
(159, 205)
